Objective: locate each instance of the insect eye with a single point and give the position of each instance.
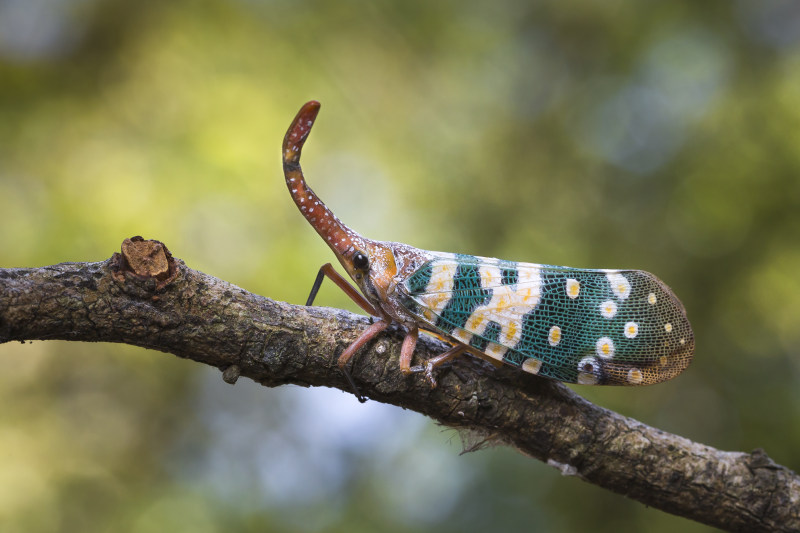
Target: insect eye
(360, 261)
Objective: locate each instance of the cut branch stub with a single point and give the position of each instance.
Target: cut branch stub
(143, 260)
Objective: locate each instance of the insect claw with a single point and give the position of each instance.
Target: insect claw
(429, 374)
(428, 370)
(353, 387)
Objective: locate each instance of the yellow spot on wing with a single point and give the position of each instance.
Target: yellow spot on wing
(436, 301)
(503, 300)
(528, 295)
(463, 336)
(510, 331)
(442, 277)
(554, 336)
(489, 277)
(476, 320)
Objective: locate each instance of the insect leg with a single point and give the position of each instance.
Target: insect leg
(407, 351)
(328, 270)
(365, 337)
(348, 353)
(441, 359)
(349, 290)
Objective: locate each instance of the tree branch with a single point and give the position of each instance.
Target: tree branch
(146, 298)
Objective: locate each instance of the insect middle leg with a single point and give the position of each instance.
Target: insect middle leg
(365, 337)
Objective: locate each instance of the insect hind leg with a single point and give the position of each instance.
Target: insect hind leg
(407, 351)
(435, 362)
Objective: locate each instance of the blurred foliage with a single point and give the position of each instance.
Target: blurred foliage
(652, 135)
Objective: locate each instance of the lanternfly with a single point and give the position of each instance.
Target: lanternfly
(587, 326)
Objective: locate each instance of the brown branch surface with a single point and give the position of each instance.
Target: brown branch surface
(146, 298)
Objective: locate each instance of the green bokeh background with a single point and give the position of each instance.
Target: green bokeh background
(661, 136)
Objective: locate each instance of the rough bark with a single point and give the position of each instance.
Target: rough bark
(146, 298)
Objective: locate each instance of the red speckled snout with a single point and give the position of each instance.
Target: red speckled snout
(342, 240)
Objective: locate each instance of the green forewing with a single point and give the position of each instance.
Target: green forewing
(578, 326)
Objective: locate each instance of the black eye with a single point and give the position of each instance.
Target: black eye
(360, 261)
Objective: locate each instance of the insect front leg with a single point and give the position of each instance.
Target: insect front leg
(328, 270)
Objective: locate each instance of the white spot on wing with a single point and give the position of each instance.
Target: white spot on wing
(608, 309)
(573, 288)
(532, 365)
(554, 336)
(620, 286)
(635, 376)
(605, 347)
(495, 351)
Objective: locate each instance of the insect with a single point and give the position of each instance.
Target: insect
(586, 326)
